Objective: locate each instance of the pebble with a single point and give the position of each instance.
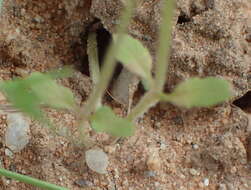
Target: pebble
(17, 133)
(157, 125)
(154, 160)
(83, 183)
(97, 160)
(8, 153)
(195, 146)
(163, 146)
(38, 19)
(206, 182)
(149, 173)
(194, 172)
(222, 187)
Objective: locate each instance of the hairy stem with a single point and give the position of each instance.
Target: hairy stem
(148, 100)
(108, 68)
(92, 51)
(109, 62)
(151, 97)
(163, 51)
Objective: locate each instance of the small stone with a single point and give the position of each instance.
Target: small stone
(110, 149)
(154, 161)
(149, 173)
(17, 133)
(157, 125)
(38, 19)
(222, 187)
(8, 153)
(97, 160)
(195, 146)
(83, 183)
(233, 170)
(206, 182)
(194, 172)
(21, 72)
(163, 146)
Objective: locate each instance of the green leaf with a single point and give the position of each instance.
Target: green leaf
(49, 92)
(104, 120)
(30, 93)
(134, 56)
(19, 95)
(197, 92)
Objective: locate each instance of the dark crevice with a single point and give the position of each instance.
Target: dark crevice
(183, 18)
(195, 9)
(244, 102)
(103, 40)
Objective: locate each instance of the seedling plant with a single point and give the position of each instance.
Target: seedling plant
(38, 90)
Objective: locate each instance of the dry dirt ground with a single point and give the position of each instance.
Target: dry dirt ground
(173, 148)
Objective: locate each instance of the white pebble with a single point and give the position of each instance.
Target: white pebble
(8, 153)
(17, 133)
(194, 172)
(206, 182)
(222, 187)
(195, 146)
(97, 160)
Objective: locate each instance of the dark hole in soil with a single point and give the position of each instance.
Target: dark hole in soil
(183, 18)
(244, 102)
(103, 40)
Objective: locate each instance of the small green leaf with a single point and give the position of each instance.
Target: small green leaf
(134, 56)
(30, 93)
(197, 92)
(49, 92)
(19, 95)
(104, 120)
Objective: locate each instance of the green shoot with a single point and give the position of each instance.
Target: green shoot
(30, 180)
(37, 90)
(109, 64)
(92, 52)
(163, 50)
(40, 89)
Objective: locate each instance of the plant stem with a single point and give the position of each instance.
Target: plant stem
(109, 63)
(148, 100)
(92, 51)
(163, 51)
(151, 97)
(30, 180)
